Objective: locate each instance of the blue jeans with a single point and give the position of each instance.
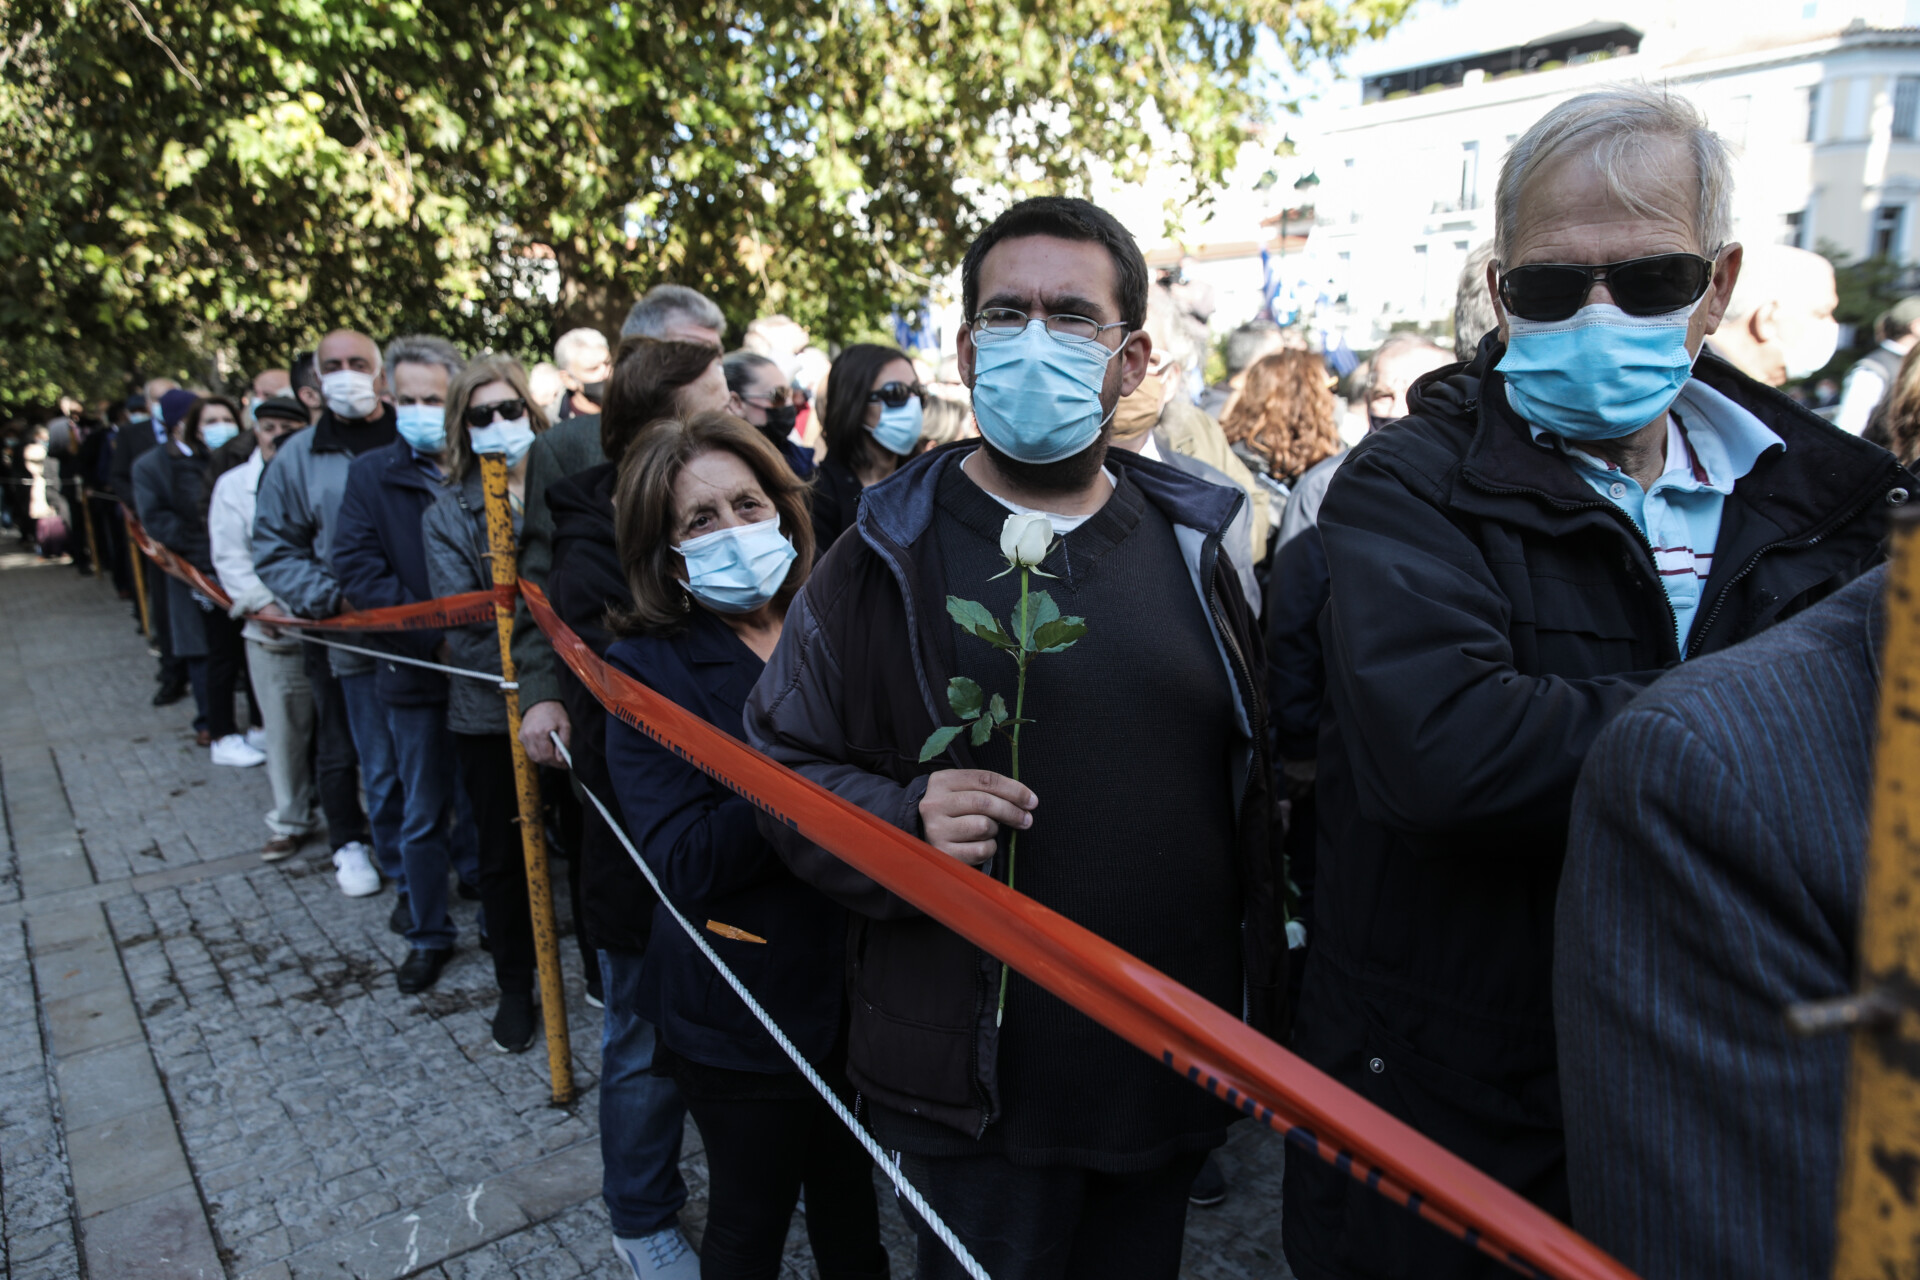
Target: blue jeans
(379, 773)
(641, 1114)
(432, 804)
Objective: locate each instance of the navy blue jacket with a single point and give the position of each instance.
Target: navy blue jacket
(380, 559)
(1714, 876)
(704, 843)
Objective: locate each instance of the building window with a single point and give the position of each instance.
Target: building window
(1469, 175)
(1796, 229)
(1886, 231)
(1813, 113)
(1906, 106)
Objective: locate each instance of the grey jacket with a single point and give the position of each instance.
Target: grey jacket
(562, 450)
(1238, 540)
(455, 531)
(1714, 875)
(293, 522)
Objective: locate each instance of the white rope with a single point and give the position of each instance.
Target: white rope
(385, 656)
(900, 1184)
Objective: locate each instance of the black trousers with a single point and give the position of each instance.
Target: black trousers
(227, 675)
(336, 765)
(112, 535)
(760, 1153)
(1053, 1223)
(486, 769)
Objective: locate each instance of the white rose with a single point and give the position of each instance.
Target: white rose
(1025, 539)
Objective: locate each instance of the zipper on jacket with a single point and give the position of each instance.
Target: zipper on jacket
(1719, 601)
(1257, 725)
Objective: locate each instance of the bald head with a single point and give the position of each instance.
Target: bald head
(347, 349)
(1779, 323)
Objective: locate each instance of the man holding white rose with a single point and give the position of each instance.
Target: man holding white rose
(1142, 806)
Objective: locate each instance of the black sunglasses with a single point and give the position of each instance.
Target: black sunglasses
(1640, 286)
(896, 394)
(479, 415)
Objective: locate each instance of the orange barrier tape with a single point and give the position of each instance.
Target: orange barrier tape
(1140, 1004)
(425, 615)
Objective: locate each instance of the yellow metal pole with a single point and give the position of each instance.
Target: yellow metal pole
(533, 839)
(139, 566)
(1879, 1213)
(93, 543)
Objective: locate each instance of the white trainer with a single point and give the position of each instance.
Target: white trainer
(236, 751)
(354, 870)
(257, 739)
(664, 1255)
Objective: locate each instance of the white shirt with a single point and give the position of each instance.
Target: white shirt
(1861, 394)
(230, 532)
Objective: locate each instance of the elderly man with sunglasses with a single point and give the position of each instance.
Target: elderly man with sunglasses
(1586, 504)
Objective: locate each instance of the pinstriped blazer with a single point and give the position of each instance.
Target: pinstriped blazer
(1713, 876)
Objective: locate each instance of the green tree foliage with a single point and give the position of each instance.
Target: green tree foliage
(193, 186)
(1866, 289)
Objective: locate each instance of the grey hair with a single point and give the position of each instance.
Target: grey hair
(1473, 313)
(1615, 125)
(1395, 346)
(740, 367)
(574, 340)
(1773, 273)
(424, 348)
(650, 316)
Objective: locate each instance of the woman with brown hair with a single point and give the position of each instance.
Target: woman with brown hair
(654, 378)
(489, 408)
(1284, 414)
(1902, 411)
(641, 1116)
(715, 536)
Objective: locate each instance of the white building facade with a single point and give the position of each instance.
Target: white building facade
(1824, 125)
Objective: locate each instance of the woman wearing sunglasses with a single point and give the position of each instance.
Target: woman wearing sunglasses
(1592, 500)
(762, 397)
(490, 409)
(872, 423)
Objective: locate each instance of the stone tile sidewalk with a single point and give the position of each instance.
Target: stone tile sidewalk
(205, 1069)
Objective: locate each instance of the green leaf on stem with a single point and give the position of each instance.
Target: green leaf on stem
(1040, 611)
(973, 618)
(939, 740)
(964, 696)
(982, 730)
(997, 709)
(1058, 634)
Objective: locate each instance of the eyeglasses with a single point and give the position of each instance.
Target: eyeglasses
(479, 415)
(894, 395)
(777, 398)
(1640, 286)
(997, 324)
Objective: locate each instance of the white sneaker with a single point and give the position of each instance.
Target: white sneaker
(354, 870)
(236, 751)
(257, 739)
(664, 1255)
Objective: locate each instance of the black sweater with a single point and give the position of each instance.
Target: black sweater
(1129, 754)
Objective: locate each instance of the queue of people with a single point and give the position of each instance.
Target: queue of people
(1441, 758)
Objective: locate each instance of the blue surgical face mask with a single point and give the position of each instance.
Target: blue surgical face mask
(215, 434)
(739, 569)
(1600, 374)
(1037, 399)
(899, 429)
(512, 438)
(424, 426)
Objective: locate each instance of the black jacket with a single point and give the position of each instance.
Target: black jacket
(380, 560)
(847, 700)
(701, 839)
(836, 501)
(583, 583)
(1490, 615)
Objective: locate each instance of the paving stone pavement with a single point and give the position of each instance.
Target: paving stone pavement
(205, 1068)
